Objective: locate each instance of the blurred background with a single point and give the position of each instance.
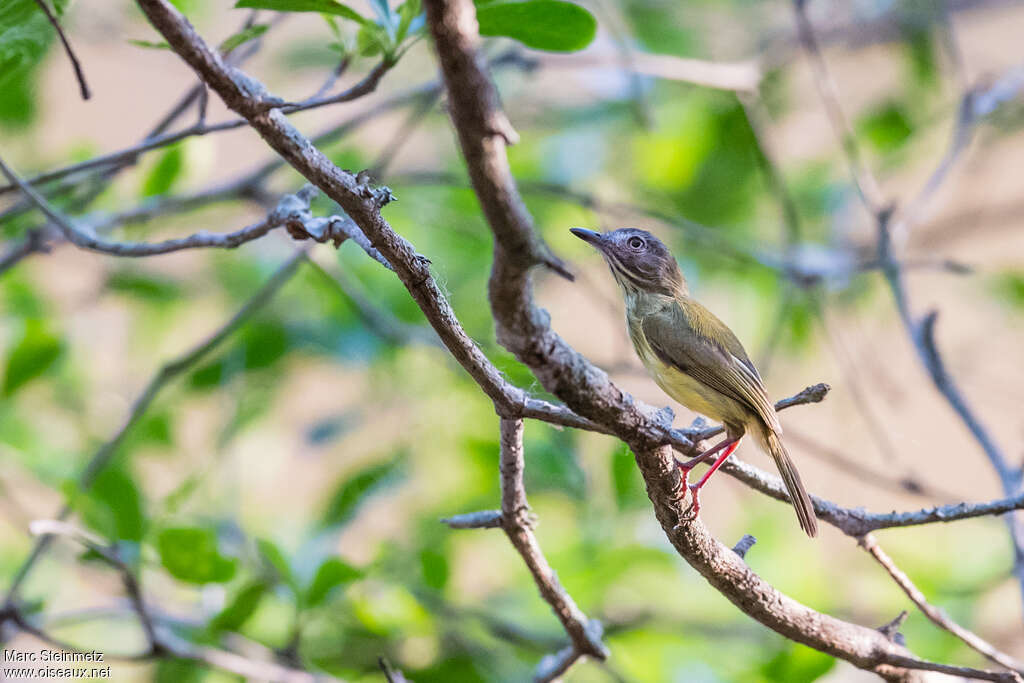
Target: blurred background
(331, 426)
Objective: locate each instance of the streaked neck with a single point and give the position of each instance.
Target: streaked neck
(640, 303)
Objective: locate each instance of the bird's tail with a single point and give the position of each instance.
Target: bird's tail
(791, 478)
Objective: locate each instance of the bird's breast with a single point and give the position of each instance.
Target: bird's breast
(688, 391)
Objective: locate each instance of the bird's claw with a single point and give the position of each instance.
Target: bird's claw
(693, 509)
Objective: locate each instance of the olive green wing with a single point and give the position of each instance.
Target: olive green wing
(703, 347)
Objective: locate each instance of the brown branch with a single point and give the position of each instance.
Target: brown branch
(109, 554)
(524, 330)
(585, 389)
(744, 545)
(292, 212)
(246, 186)
(75, 64)
(516, 520)
(815, 393)
(936, 615)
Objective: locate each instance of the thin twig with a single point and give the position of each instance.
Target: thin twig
(921, 333)
(79, 74)
(742, 77)
(864, 180)
(78, 235)
(131, 154)
(936, 615)
(856, 522)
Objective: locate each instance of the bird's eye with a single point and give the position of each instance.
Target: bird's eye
(635, 243)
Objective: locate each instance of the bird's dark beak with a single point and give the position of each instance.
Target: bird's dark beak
(595, 239)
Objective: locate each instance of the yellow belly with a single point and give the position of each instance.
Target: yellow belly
(686, 390)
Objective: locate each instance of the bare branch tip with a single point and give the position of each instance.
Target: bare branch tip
(891, 630)
(559, 266)
(744, 545)
(484, 519)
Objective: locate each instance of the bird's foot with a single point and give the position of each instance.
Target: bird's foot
(693, 509)
(690, 513)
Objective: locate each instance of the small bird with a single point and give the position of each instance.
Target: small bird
(694, 357)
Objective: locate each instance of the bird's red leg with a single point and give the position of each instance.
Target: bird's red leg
(694, 461)
(727, 447)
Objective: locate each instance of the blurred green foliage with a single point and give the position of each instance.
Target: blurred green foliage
(31, 356)
(191, 554)
(25, 35)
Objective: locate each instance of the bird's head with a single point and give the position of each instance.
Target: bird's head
(639, 261)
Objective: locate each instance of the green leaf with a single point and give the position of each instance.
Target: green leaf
(209, 376)
(408, 12)
(265, 342)
(155, 429)
(191, 554)
(151, 45)
(116, 491)
(322, 6)
(144, 286)
(174, 670)
(279, 563)
(372, 40)
(243, 606)
(551, 25)
(243, 37)
(385, 17)
(434, 566)
(887, 128)
(554, 461)
(112, 506)
(167, 171)
(797, 663)
(331, 574)
(1009, 286)
(25, 37)
(626, 480)
(355, 489)
(662, 27)
(922, 53)
(34, 354)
